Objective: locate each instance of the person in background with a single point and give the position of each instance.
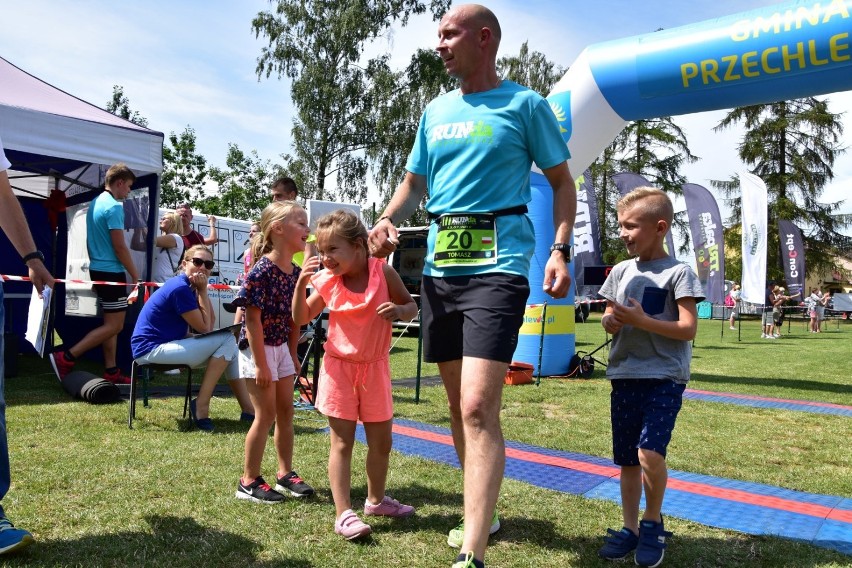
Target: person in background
(652, 316)
(13, 223)
(162, 334)
(768, 318)
(168, 247)
(474, 302)
(192, 237)
(736, 296)
(109, 258)
(285, 189)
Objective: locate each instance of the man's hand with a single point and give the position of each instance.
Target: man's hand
(39, 276)
(557, 279)
(383, 239)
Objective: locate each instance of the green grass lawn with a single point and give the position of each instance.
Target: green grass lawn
(97, 494)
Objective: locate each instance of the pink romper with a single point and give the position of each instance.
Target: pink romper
(355, 378)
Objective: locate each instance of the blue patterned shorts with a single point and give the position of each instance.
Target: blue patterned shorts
(643, 413)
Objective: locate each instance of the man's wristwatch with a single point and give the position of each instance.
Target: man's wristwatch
(32, 256)
(564, 248)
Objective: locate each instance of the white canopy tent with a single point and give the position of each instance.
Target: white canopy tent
(57, 141)
(37, 118)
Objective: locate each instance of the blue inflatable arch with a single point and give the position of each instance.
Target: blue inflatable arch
(782, 52)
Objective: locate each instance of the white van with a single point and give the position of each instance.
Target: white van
(232, 240)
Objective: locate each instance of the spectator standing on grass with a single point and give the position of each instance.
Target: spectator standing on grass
(652, 316)
(768, 318)
(109, 258)
(474, 302)
(13, 223)
(737, 298)
(168, 247)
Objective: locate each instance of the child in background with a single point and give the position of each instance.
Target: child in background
(268, 350)
(651, 314)
(363, 295)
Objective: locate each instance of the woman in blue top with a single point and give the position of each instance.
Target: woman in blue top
(162, 335)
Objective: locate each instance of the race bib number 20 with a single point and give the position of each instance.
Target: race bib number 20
(466, 239)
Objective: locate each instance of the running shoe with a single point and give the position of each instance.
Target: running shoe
(61, 364)
(456, 536)
(258, 491)
(12, 539)
(293, 484)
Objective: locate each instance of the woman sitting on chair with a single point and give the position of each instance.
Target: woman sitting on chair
(161, 335)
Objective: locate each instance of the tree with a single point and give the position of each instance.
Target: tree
(120, 106)
(532, 70)
(184, 170)
(243, 185)
(653, 148)
(400, 98)
(791, 146)
(319, 44)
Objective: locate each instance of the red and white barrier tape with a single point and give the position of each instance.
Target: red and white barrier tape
(9, 277)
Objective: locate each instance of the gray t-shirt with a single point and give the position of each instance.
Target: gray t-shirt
(657, 285)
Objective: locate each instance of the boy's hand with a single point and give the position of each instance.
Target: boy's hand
(628, 314)
(610, 324)
(388, 311)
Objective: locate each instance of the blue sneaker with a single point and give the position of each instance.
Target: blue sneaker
(652, 543)
(618, 544)
(12, 539)
(203, 424)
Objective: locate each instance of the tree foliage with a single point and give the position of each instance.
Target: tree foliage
(243, 185)
(120, 106)
(792, 146)
(654, 148)
(319, 45)
(184, 170)
(531, 70)
(401, 98)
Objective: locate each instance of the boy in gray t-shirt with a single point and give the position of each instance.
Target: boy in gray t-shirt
(652, 316)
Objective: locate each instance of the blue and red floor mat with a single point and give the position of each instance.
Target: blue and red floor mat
(769, 402)
(753, 508)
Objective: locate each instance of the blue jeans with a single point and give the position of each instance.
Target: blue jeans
(5, 475)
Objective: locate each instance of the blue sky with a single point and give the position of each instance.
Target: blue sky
(193, 63)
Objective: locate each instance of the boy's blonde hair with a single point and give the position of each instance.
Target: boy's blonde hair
(344, 224)
(273, 213)
(190, 252)
(654, 203)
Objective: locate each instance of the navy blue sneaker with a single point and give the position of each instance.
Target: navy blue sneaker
(11, 538)
(652, 543)
(618, 544)
(203, 424)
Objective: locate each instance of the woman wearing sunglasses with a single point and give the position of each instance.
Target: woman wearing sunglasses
(162, 333)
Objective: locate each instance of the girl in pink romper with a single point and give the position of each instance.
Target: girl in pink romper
(363, 296)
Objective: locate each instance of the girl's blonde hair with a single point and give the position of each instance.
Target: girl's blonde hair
(344, 224)
(190, 252)
(654, 202)
(174, 223)
(273, 213)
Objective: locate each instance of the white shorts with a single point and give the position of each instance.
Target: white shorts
(277, 357)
